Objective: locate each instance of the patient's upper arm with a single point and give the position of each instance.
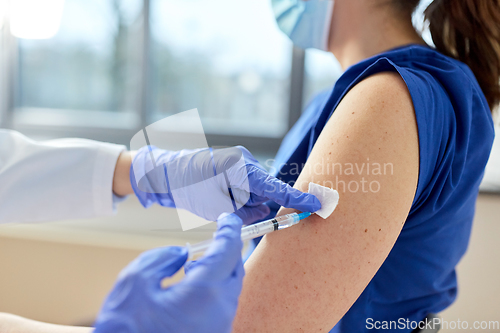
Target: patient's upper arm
(305, 278)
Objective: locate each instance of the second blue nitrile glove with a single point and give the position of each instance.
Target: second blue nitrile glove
(205, 301)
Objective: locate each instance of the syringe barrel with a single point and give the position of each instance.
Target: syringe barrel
(256, 230)
(199, 247)
(247, 233)
(260, 229)
(253, 231)
(285, 221)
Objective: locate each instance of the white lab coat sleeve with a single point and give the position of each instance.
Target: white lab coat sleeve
(56, 179)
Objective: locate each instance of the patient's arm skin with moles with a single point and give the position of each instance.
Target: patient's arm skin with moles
(305, 278)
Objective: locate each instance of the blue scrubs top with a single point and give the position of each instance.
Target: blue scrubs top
(455, 130)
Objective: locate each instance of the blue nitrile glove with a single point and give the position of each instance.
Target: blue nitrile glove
(204, 301)
(198, 181)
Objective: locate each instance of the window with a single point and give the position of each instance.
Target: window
(117, 65)
(321, 72)
(89, 66)
(224, 57)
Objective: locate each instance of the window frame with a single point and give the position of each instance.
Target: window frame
(9, 68)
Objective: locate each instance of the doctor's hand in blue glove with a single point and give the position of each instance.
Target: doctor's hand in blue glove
(204, 301)
(209, 182)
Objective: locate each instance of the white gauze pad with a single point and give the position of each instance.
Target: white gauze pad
(329, 199)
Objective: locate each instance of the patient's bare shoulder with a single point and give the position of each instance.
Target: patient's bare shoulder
(312, 273)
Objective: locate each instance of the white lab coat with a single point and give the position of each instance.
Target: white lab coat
(56, 179)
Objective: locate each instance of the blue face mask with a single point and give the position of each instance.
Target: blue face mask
(306, 23)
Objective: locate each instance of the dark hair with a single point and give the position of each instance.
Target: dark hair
(467, 30)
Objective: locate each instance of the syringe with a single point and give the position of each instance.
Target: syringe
(254, 230)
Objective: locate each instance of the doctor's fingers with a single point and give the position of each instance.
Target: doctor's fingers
(268, 187)
(224, 254)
